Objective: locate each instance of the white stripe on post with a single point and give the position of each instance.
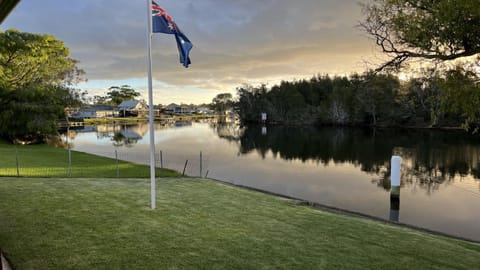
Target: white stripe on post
(395, 175)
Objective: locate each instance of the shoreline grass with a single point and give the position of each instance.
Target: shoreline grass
(47, 161)
(199, 224)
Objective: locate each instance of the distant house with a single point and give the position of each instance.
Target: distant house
(132, 108)
(179, 109)
(94, 111)
(172, 108)
(204, 110)
(186, 109)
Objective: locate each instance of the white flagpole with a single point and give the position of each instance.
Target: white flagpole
(150, 104)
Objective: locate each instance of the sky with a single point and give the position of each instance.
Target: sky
(236, 42)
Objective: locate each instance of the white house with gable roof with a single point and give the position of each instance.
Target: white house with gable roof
(132, 108)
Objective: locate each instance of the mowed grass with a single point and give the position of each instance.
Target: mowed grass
(48, 161)
(199, 224)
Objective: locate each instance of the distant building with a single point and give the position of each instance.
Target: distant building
(172, 108)
(179, 109)
(186, 109)
(204, 110)
(94, 111)
(132, 108)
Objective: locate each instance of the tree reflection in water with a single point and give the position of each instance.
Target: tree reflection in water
(126, 135)
(430, 157)
(119, 139)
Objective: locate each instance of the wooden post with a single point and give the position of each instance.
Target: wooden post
(116, 163)
(16, 160)
(69, 151)
(161, 159)
(184, 167)
(201, 164)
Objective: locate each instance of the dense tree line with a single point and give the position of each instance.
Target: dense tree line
(437, 99)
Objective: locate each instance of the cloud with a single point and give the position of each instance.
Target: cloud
(235, 42)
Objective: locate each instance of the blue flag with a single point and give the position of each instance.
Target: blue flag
(163, 23)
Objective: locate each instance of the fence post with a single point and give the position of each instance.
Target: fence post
(184, 167)
(201, 164)
(116, 163)
(69, 162)
(161, 159)
(16, 161)
(69, 172)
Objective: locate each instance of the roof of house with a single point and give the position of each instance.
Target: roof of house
(5, 7)
(128, 104)
(172, 105)
(94, 108)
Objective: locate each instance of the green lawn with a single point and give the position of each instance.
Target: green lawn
(199, 224)
(48, 161)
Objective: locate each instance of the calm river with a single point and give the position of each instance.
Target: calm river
(338, 167)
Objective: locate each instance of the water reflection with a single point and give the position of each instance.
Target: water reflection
(124, 134)
(431, 158)
(125, 139)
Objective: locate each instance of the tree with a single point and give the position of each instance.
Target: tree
(287, 101)
(29, 115)
(425, 95)
(462, 96)
(36, 73)
(375, 95)
(100, 100)
(31, 59)
(252, 101)
(439, 30)
(340, 107)
(117, 95)
(222, 101)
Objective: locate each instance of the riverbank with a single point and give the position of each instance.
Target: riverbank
(199, 224)
(47, 161)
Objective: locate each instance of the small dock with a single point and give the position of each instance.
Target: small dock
(66, 124)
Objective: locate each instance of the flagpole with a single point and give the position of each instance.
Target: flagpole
(150, 104)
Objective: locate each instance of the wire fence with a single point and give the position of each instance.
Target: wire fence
(120, 164)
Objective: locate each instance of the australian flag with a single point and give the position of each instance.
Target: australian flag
(163, 23)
